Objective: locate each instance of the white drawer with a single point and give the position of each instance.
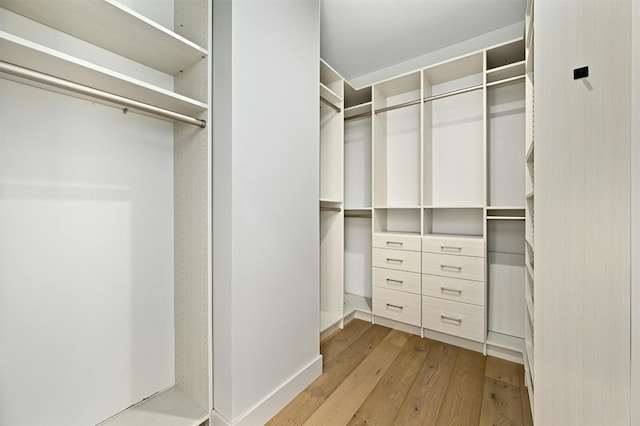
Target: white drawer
(396, 280)
(397, 305)
(453, 289)
(459, 319)
(400, 260)
(461, 246)
(396, 241)
(465, 267)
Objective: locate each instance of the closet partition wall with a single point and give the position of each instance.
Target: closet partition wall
(105, 213)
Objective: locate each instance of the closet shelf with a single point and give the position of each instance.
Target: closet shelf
(354, 302)
(505, 217)
(505, 341)
(505, 72)
(529, 154)
(171, 407)
(23, 53)
(361, 110)
(329, 95)
(114, 27)
(453, 206)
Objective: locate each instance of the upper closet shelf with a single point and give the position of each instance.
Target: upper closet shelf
(505, 72)
(112, 26)
(26, 54)
(361, 110)
(329, 95)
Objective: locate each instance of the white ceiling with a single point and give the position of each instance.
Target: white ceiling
(359, 37)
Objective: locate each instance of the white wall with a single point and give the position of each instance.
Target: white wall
(266, 247)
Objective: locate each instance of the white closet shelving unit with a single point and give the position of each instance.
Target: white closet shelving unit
(447, 206)
(529, 206)
(182, 56)
(357, 202)
(331, 198)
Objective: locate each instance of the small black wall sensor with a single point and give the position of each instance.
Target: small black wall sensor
(580, 73)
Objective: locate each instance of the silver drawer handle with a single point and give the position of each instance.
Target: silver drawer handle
(389, 260)
(456, 267)
(396, 282)
(444, 317)
(451, 248)
(394, 243)
(389, 305)
(451, 290)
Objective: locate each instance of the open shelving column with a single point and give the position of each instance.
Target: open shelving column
(331, 199)
(505, 225)
(357, 203)
(183, 56)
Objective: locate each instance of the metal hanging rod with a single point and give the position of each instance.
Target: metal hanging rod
(325, 101)
(359, 216)
(402, 105)
(330, 209)
(452, 93)
(356, 116)
(98, 94)
(430, 98)
(506, 80)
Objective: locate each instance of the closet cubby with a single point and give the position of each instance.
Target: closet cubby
(357, 148)
(505, 62)
(396, 220)
(505, 284)
(453, 221)
(357, 264)
(397, 149)
(453, 125)
(505, 150)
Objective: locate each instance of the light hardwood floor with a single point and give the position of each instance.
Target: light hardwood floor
(374, 375)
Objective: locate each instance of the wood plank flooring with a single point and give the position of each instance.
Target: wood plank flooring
(374, 375)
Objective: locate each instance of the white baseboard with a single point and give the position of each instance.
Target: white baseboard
(262, 412)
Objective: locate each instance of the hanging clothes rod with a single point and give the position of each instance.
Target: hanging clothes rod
(330, 209)
(98, 94)
(402, 105)
(325, 101)
(452, 93)
(430, 98)
(356, 116)
(506, 80)
(357, 216)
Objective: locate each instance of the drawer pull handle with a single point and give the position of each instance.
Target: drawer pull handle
(389, 260)
(451, 290)
(389, 305)
(394, 243)
(446, 318)
(451, 248)
(396, 282)
(456, 267)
